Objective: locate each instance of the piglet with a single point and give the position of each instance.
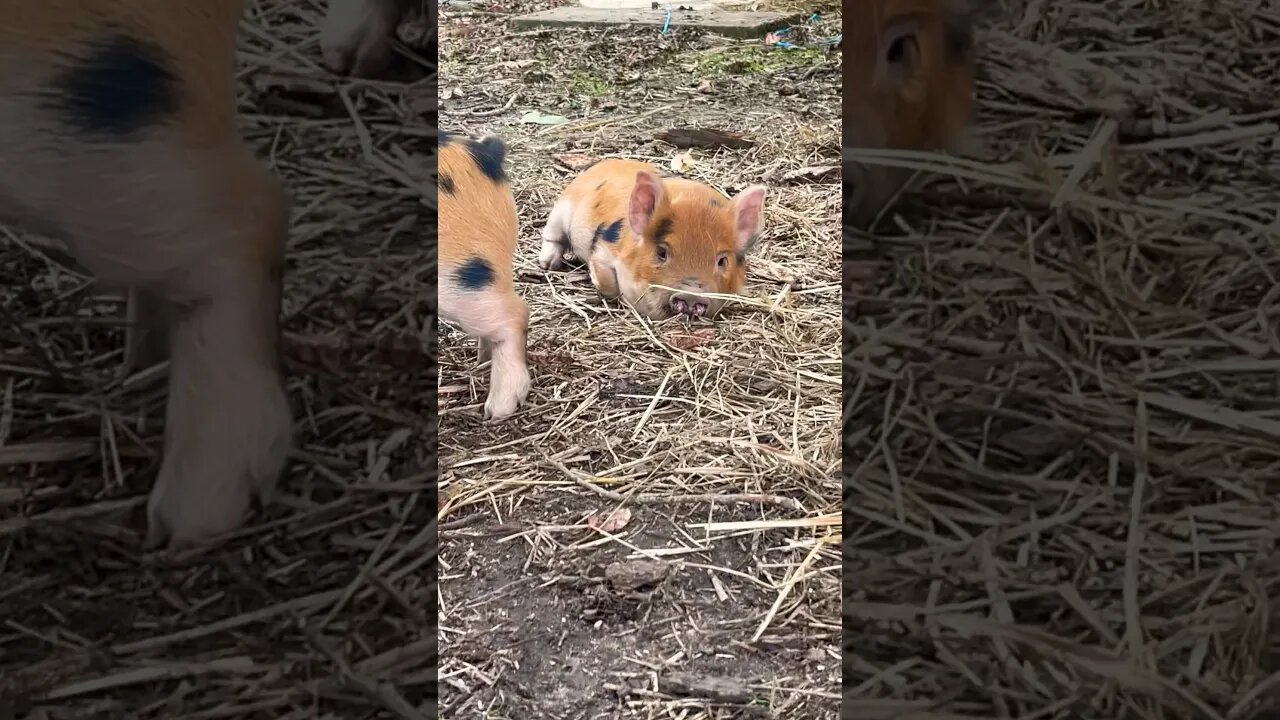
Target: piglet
(356, 36)
(478, 229)
(638, 230)
(908, 85)
(118, 137)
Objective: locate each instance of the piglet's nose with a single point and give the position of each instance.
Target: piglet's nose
(689, 305)
(855, 192)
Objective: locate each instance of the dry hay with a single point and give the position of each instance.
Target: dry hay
(321, 603)
(673, 421)
(1062, 446)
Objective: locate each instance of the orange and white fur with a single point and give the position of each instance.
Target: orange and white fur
(478, 230)
(118, 137)
(908, 84)
(638, 232)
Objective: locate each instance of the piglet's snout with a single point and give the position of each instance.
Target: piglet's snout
(856, 197)
(691, 305)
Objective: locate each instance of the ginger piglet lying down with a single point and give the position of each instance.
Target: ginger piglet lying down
(638, 231)
(908, 85)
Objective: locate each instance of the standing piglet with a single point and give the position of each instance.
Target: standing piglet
(118, 136)
(478, 229)
(908, 85)
(639, 231)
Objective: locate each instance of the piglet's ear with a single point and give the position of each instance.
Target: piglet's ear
(899, 59)
(645, 197)
(748, 215)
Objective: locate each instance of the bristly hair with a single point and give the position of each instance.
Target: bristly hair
(959, 22)
(957, 29)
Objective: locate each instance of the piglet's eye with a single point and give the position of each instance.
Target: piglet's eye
(900, 49)
(661, 253)
(722, 262)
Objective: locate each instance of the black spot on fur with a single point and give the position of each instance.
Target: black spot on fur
(601, 185)
(662, 230)
(611, 232)
(716, 202)
(474, 274)
(489, 154)
(741, 257)
(446, 185)
(116, 88)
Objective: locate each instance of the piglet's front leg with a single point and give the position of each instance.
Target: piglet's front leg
(604, 277)
(228, 416)
(228, 423)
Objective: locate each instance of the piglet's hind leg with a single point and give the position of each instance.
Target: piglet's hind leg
(555, 236)
(499, 320)
(509, 373)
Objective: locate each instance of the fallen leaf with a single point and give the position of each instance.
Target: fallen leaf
(860, 275)
(539, 118)
(575, 161)
(859, 278)
(682, 161)
(334, 354)
(611, 523)
(689, 339)
(1035, 442)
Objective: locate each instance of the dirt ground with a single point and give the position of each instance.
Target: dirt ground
(1061, 494)
(542, 615)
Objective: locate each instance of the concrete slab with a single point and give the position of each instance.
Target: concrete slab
(647, 4)
(742, 25)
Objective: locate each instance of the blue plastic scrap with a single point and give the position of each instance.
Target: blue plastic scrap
(775, 39)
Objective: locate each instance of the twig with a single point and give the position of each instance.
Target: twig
(496, 111)
(654, 499)
(384, 694)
